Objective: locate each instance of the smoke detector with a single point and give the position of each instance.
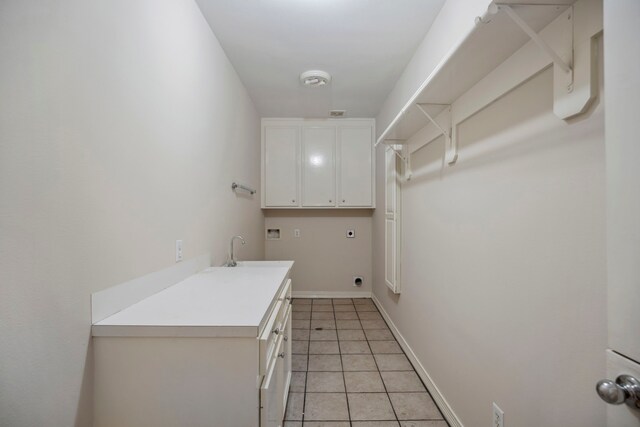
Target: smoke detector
(315, 78)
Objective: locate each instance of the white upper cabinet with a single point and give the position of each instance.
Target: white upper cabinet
(281, 170)
(319, 176)
(356, 166)
(322, 164)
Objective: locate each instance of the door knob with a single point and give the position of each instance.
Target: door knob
(625, 389)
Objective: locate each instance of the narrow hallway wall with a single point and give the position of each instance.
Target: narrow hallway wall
(122, 126)
(503, 277)
(326, 260)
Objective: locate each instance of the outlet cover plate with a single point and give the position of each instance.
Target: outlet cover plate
(498, 416)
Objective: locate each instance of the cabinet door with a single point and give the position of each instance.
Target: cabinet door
(355, 167)
(282, 154)
(271, 402)
(318, 179)
(286, 348)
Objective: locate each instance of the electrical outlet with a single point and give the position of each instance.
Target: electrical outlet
(498, 416)
(296, 232)
(178, 250)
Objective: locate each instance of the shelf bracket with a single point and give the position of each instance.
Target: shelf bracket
(451, 153)
(395, 142)
(406, 159)
(564, 65)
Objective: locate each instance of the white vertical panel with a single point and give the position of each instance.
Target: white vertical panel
(622, 133)
(319, 177)
(281, 166)
(393, 221)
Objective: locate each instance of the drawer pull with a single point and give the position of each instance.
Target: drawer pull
(276, 331)
(281, 355)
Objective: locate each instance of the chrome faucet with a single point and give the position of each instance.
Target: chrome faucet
(232, 260)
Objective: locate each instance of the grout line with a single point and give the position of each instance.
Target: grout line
(340, 354)
(344, 381)
(306, 375)
(379, 374)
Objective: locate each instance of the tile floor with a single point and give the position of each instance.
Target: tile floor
(350, 372)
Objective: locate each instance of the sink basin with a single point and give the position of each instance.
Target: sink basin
(286, 264)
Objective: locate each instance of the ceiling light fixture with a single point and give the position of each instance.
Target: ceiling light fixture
(315, 78)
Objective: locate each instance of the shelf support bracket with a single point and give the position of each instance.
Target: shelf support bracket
(451, 153)
(395, 150)
(406, 159)
(566, 67)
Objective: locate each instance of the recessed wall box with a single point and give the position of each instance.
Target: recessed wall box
(273, 234)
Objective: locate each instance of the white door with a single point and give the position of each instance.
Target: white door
(282, 165)
(393, 221)
(356, 165)
(622, 140)
(319, 171)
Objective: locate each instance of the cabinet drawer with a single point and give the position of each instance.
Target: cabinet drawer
(274, 328)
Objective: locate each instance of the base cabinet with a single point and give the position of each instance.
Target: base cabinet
(197, 381)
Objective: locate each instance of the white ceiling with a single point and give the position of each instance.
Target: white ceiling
(363, 44)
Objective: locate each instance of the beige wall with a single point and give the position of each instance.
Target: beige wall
(122, 126)
(325, 260)
(503, 294)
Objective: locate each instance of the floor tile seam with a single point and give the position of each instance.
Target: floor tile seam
(382, 379)
(411, 364)
(306, 379)
(344, 381)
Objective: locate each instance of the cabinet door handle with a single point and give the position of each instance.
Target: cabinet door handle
(276, 331)
(329, 201)
(286, 338)
(281, 355)
(343, 200)
(293, 200)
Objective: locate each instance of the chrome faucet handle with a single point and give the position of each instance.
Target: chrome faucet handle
(232, 260)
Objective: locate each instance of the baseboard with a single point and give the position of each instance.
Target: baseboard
(313, 294)
(442, 403)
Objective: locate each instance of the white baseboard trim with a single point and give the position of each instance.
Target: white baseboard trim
(313, 294)
(442, 403)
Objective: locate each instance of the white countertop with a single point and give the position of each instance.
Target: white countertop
(220, 301)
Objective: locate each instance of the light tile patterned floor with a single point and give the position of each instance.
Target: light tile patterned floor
(349, 371)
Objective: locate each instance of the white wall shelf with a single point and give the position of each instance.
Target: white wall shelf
(508, 45)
